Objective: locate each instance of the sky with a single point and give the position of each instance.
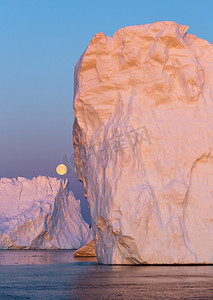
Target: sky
(40, 43)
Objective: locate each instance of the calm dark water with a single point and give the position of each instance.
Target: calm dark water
(58, 275)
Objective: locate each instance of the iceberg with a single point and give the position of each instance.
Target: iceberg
(87, 250)
(40, 213)
(143, 131)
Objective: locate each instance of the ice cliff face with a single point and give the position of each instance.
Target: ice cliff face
(143, 138)
(41, 213)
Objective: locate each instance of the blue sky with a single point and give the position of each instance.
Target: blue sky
(41, 41)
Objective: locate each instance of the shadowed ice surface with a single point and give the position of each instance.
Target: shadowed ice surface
(58, 275)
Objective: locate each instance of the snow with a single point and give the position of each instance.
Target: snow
(40, 213)
(143, 144)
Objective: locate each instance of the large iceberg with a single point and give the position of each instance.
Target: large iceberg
(40, 213)
(143, 138)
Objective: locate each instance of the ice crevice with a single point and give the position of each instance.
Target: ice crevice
(19, 197)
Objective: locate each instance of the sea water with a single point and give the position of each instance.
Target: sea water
(56, 274)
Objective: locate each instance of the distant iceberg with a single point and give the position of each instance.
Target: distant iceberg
(40, 213)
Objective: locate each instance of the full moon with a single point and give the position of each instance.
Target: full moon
(61, 169)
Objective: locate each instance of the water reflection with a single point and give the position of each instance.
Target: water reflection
(143, 282)
(39, 257)
(58, 275)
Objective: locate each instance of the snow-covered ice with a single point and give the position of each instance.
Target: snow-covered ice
(143, 138)
(40, 213)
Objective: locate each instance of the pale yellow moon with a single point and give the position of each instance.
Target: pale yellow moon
(61, 169)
